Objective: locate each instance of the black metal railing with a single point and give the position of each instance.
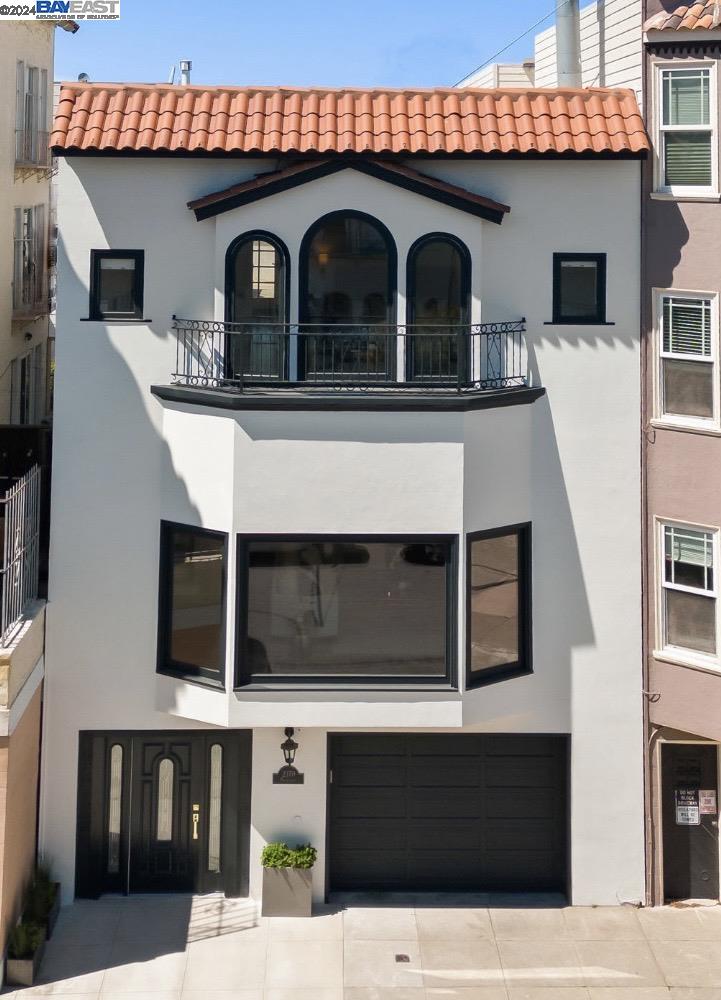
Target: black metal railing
(461, 358)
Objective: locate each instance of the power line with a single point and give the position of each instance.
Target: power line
(511, 44)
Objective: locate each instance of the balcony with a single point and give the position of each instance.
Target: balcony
(32, 151)
(289, 366)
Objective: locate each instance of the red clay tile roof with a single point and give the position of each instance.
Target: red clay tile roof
(687, 17)
(158, 118)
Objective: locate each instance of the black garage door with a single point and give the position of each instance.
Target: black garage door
(447, 812)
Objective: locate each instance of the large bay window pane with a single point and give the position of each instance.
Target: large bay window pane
(687, 362)
(346, 608)
(689, 589)
(497, 582)
(193, 601)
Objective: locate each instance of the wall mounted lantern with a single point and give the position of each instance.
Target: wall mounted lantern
(289, 774)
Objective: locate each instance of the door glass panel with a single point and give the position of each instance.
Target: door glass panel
(215, 796)
(165, 800)
(114, 808)
(438, 307)
(258, 305)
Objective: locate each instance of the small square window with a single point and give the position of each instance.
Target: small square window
(579, 288)
(116, 284)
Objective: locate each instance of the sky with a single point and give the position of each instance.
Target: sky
(391, 43)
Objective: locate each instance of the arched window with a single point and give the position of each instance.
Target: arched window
(347, 298)
(257, 301)
(439, 287)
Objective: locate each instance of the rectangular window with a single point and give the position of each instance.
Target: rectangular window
(687, 369)
(579, 288)
(689, 589)
(686, 146)
(30, 270)
(116, 284)
(31, 116)
(346, 609)
(498, 588)
(192, 602)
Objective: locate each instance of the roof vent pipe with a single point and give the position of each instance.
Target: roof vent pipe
(185, 68)
(568, 44)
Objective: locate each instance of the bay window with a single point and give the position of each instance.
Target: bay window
(343, 609)
(687, 135)
(688, 585)
(687, 390)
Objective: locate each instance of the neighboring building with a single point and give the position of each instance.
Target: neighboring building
(670, 54)
(383, 465)
(26, 70)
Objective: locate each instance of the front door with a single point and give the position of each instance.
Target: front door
(690, 821)
(163, 812)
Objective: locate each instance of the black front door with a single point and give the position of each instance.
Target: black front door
(163, 812)
(690, 821)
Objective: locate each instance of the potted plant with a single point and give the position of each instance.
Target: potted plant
(287, 880)
(42, 903)
(26, 944)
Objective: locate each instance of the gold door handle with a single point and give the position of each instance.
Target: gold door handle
(196, 820)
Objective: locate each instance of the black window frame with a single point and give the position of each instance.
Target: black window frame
(601, 261)
(164, 663)
(248, 682)
(96, 258)
(524, 664)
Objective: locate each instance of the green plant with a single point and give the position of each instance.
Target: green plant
(40, 896)
(281, 856)
(25, 939)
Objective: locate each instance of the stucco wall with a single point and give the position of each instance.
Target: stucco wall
(683, 467)
(123, 461)
(19, 763)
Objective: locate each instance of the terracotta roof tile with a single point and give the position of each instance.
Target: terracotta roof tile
(704, 14)
(160, 118)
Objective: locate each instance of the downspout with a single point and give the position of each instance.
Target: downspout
(568, 44)
(648, 738)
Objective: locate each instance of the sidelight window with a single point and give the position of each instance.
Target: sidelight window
(192, 602)
(164, 826)
(215, 796)
(689, 596)
(115, 798)
(361, 609)
(498, 604)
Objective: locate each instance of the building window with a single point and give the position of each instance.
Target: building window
(579, 288)
(686, 142)
(498, 615)
(687, 368)
(30, 270)
(257, 301)
(31, 117)
(116, 284)
(192, 602)
(689, 589)
(439, 292)
(365, 610)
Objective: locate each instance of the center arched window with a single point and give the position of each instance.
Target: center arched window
(347, 300)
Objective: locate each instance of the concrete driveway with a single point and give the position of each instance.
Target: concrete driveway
(209, 948)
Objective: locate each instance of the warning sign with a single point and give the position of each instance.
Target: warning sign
(707, 801)
(687, 807)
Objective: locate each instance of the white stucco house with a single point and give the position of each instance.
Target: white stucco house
(346, 442)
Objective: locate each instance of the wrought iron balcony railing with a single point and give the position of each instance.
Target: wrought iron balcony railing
(422, 357)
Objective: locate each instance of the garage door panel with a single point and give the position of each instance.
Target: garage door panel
(508, 804)
(448, 811)
(371, 774)
(450, 803)
(522, 772)
(381, 802)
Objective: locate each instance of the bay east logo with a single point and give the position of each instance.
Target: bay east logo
(79, 10)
